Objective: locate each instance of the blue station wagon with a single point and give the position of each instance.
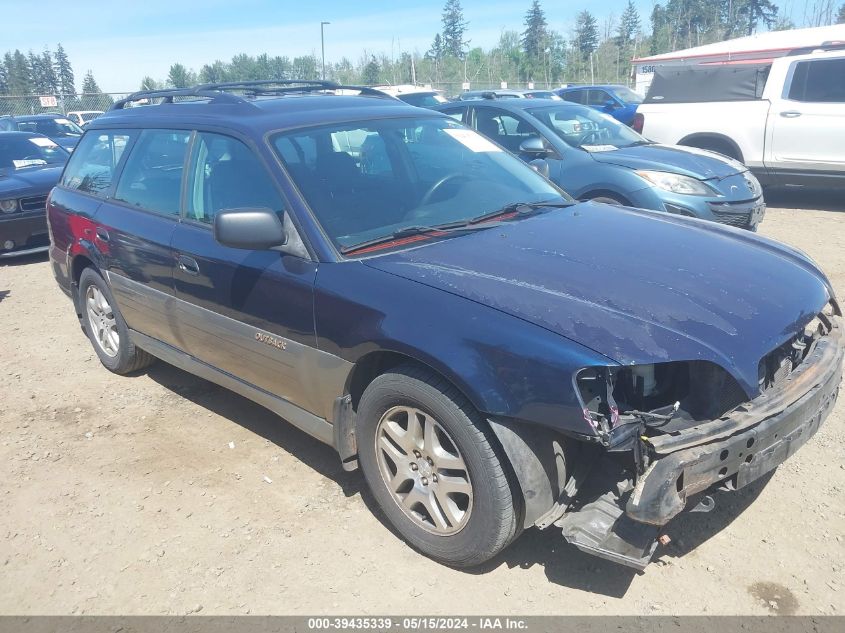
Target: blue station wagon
(491, 354)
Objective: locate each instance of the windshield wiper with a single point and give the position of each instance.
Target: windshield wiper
(521, 208)
(411, 231)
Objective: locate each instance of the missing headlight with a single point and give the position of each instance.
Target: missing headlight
(679, 393)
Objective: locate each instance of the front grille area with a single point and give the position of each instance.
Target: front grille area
(727, 215)
(37, 203)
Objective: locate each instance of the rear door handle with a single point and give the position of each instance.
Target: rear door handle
(102, 234)
(188, 264)
(790, 114)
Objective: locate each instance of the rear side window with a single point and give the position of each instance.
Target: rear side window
(819, 81)
(152, 177)
(91, 166)
(226, 174)
(575, 96)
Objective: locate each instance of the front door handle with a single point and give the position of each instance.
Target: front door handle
(790, 114)
(188, 264)
(102, 234)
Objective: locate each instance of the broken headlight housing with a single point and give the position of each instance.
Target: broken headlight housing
(663, 396)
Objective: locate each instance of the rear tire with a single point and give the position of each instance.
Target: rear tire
(439, 479)
(106, 328)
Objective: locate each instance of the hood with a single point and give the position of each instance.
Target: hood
(689, 161)
(633, 285)
(67, 142)
(29, 181)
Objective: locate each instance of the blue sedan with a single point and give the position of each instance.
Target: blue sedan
(620, 102)
(593, 156)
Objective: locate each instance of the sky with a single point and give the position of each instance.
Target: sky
(122, 41)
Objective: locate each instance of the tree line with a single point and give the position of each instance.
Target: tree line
(591, 52)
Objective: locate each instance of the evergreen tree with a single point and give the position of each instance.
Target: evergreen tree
(586, 34)
(36, 73)
(89, 85)
(370, 74)
(454, 29)
(64, 72)
(148, 83)
(178, 76)
(4, 79)
(51, 80)
(751, 13)
(629, 25)
(535, 37)
(18, 71)
(436, 50)
(840, 18)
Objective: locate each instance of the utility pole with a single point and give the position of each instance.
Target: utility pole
(323, 48)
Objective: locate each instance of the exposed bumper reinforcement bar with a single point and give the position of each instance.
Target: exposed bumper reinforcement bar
(773, 428)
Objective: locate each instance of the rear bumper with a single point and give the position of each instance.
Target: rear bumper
(743, 446)
(28, 232)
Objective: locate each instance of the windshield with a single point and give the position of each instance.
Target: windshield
(21, 152)
(423, 99)
(586, 128)
(370, 179)
(53, 128)
(626, 95)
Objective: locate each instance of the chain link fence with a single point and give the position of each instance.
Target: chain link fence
(56, 104)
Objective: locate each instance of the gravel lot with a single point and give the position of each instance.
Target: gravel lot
(123, 495)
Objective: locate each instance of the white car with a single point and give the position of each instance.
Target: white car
(418, 96)
(784, 119)
(82, 117)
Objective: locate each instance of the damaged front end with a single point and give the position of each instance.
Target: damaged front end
(672, 430)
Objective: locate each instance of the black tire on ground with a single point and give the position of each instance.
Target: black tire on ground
(493, 521)
(128, 358)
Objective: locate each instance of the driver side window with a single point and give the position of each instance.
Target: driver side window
(507, 129)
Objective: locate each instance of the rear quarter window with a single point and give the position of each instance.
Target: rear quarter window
(92, 165)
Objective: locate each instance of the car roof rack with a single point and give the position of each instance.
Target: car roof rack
(222, 92)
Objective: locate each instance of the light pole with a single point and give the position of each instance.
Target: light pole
(323, 48)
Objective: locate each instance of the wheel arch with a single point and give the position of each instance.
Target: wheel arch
(700, 138)
(533, 454)
(608, 193)
(78, 263)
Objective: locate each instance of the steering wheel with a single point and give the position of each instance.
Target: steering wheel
(433, 189)
(592, 136)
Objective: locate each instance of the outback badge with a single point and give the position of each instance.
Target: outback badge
(270, 340)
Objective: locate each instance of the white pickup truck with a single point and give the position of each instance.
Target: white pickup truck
(785, 119)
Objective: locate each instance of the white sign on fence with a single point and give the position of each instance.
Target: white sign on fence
(504, 85)
(465, 85)
(48, 102)
(531, 85)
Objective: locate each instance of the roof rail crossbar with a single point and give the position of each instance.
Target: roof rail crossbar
(288, 86)
(168, 94)
(220, 92)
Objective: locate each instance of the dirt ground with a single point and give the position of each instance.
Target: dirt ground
(124, 495)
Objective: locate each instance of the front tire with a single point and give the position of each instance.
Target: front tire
(432, 464)
(106, 328)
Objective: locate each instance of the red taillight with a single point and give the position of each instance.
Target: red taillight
(638, 122)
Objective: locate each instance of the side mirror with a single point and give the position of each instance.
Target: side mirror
(251, 229)
(533, 145)
(540, 166)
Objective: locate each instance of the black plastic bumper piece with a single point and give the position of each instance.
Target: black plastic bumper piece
(602, 528)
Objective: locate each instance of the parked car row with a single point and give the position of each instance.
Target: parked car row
(492, 354)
